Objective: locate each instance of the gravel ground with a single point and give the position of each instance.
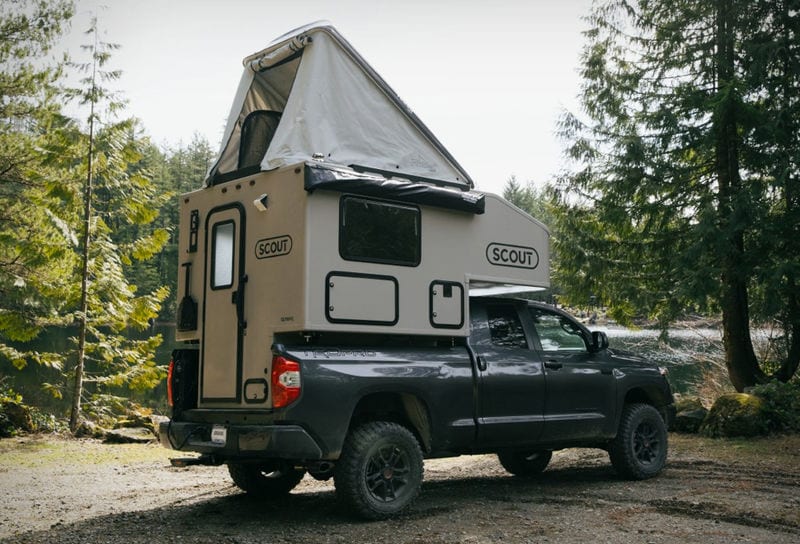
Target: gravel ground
(69, 491)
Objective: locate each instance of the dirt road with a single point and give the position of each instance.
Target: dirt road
(66, 491)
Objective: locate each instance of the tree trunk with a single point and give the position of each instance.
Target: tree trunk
(792, 331)
(740, 358)
(77, 391)
(789, 246)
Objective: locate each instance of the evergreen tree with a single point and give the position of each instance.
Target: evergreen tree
(119, 201)
(527, 198)
(685, 192)
(36, 237)
(187, 168)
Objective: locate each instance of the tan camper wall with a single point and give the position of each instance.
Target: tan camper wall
(303, 273)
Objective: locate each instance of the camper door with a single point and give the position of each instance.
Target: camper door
(223, 305)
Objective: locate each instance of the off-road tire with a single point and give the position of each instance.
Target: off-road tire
(379, 473)
(525, 463)
(639, 450)
(268, 480)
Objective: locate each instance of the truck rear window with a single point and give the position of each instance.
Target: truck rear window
(505, 327)
(379, 232)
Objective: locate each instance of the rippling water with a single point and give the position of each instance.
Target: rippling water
(686, 352)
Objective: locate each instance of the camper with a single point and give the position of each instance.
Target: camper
(330, 272)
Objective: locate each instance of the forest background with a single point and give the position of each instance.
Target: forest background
(683, 195)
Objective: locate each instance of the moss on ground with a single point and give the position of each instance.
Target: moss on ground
(36, 451)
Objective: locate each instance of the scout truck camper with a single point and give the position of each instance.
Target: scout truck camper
(332, 207)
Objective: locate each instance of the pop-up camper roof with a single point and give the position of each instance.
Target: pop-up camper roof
(310, 95)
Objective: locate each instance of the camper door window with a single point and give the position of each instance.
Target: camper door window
(374, 231)
(222, 255)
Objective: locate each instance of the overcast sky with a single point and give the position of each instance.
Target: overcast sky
(488, 77)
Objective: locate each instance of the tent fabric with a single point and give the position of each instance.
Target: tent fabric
(333, 106)
(256, 92)
(322, 177)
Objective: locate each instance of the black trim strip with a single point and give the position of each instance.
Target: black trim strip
(217, 178)
(317, 176)
(360, 168)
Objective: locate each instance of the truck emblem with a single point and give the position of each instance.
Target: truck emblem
(513, 256)
(273, 247)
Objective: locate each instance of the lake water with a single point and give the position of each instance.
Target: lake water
(686, 352)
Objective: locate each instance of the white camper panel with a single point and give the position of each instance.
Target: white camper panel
(501, 246)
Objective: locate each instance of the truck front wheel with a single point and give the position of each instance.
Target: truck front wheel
(639, 450)
(380, 470)
(265, 480)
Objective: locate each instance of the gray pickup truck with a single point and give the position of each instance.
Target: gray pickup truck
(366, 409)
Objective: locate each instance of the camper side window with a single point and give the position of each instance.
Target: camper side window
(379, 232)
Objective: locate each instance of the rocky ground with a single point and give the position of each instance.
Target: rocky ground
(69, 491)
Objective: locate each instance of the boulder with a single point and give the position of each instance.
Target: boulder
(129, 435)
(689, 415)
(87, 429)
(15, 417)
(689, 421)
(735, 414)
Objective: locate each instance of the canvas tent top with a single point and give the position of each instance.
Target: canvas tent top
(310, 96)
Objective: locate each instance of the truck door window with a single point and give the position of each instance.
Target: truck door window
(379, 232)
(556, 332)
(505, 327)
(222, 255)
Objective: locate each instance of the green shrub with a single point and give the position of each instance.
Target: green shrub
(781, 406)
(16, 417)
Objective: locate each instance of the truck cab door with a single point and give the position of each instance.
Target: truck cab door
(510, 402)
(581, 388)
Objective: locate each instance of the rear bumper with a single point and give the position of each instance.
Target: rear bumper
(241, 441)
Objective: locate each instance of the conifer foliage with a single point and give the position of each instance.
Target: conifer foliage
(37, 236)
(77, 206)
(685, 191)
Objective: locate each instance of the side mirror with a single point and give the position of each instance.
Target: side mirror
(599, 341)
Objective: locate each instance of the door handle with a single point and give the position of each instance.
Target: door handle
(238, 299)
(553, 365)
(482, 366)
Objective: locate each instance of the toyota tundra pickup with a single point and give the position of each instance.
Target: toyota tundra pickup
(367, 409)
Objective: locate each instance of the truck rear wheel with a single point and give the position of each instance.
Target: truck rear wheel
(265, 480)
(525, 463)
(639, 450)
(380, 471)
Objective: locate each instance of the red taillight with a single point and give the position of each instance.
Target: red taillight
(285, 381)
(170, 371)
